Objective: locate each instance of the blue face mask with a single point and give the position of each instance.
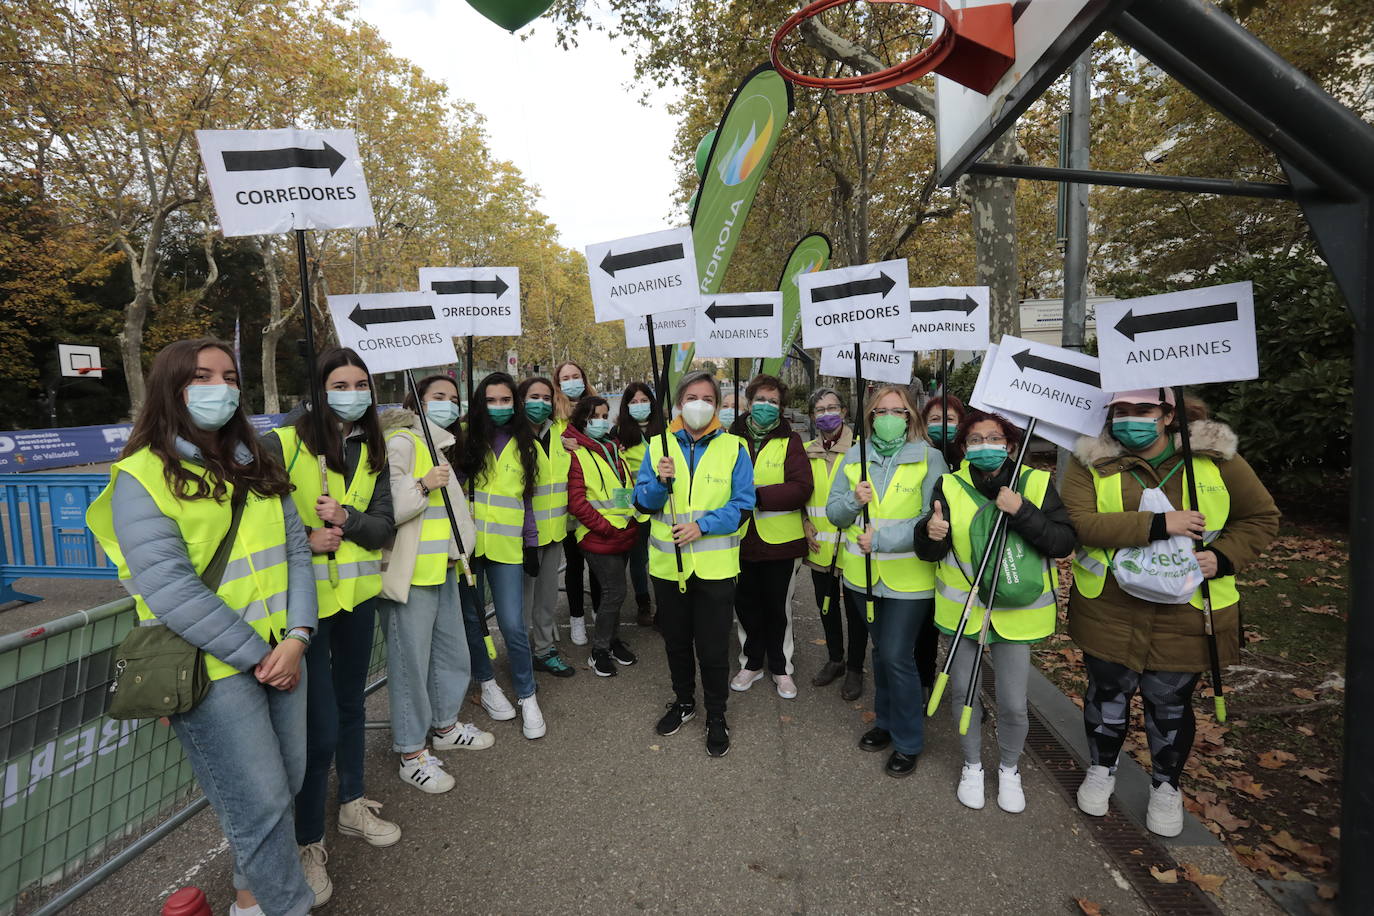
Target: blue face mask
(441, 413)
(573, 387)
(987, 457)
(211, 406)
(764, 413)
(599, 428)
(349, 405)
(640, 412)
(727, 416)
(1135, 434)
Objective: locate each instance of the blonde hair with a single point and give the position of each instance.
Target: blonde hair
(562, 404)
(915, 422)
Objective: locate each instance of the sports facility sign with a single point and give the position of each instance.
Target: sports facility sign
(393, 332)
(475, 301)
(855, 304)
(266, 182)
(643, 275)
(740, 325)
(1061, 387)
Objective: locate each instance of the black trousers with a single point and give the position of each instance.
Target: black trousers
(927, 644)
(834, 621)
(572, 579)
(696, 633)
(761, 605)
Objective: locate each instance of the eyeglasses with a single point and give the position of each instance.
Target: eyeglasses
(828, 412)
(990, 440)
(891, 412)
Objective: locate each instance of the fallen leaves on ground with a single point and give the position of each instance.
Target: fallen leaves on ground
(1309, 853)
(1087, 907)
(1321, 776)
(1209, 883)
(1273, 760)
(1164, 875)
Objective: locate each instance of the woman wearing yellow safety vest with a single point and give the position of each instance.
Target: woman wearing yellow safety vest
(1131, 644)
(696, 495)
(550, 504)
(902, 471)
(599, 496)
(339, 487)
(573, 386)
(500, 459)
(774, 541)
(834, 437)
(955, 535)
(640, 419)
(427, 662)
(940, 429)
(192, 474)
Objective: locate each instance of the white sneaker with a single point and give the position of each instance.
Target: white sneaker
(577, 630)
(236, 910)
(313, 859)
(495, 702)
(359, 818)
(787, 688)
(1095, 791)
(426, 773)
(1010, 797)
(745, 679)
(531, 719)
(463, 735)
(970, 792)
(1165, 814)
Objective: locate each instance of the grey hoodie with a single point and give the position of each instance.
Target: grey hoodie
(160, 570)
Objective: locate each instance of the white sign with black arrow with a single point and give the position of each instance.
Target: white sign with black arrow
(669, 328)
(882, 362)
(740, 325)
(948, 318)
(855, 304)
(1193, 337)
(643, 275)
(1060, 387)
(393, 331)
(476, 301)
(1066, 438)
(266, 182)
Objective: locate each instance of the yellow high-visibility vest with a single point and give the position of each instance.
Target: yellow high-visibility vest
(823, 474)
(902, 570)
(709, 487)
(498, 507)
(600, 480)
(431, 558)
(775, 526)
(550, 501)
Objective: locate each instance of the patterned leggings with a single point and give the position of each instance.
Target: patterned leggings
(1169, 722)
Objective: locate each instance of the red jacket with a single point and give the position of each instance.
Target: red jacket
(602, 537)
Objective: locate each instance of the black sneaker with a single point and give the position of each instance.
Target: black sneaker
(622, 654)
(601, 663)
(672, 720)
(717, 737)
(553, 664)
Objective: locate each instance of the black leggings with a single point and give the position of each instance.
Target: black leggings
(572, 579)
(1169, 721)
(834, 621)
(927, 644)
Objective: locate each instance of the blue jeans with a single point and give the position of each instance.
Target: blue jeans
(427, 666)
(507, 592)
(639, 563)
(337, 661)
(246, 744)
(898, 698)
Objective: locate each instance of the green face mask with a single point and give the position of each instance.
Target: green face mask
(764, 413)
(1135, 434)
(500, 415)
(538, 411)
(888, 431)
(942, 433)
(987, 457)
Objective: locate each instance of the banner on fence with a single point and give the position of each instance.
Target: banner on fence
(40, 449)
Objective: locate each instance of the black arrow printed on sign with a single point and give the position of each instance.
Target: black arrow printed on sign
(363, 317)
(882, 285)
(742, 310)
(1132, 324)
(291, 157)
(643, 258)
(968, 305)
(495, 287)
(1024, 360)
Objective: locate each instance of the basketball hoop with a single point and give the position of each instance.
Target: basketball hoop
(82, 370)
(975, 48)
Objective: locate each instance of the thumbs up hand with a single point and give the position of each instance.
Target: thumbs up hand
(937, 528)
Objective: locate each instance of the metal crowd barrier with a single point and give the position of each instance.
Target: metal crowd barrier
(43, 530)
(80, 794)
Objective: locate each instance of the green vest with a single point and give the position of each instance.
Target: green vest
(900, 505)
(431, 558)
(498, 507)
(599, 479)
(1090, 564)
(955, 573)
(550, 501)
(775, 526)
(634, 458)
(359, 569)
(823, 475)
(256, 578)
(713, 556)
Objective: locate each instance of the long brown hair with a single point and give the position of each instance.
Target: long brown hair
(562, 404)
(164, 418)
(915, 420)
(307, 426)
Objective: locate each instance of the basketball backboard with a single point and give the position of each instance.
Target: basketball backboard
(1049, 34)
(78, 361)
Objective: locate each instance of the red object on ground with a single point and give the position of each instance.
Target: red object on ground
(189, 901)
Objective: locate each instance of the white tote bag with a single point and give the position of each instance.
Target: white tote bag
(1165, 572)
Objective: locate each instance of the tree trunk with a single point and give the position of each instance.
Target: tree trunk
(994, 237)
(131, 337)
(272, 332)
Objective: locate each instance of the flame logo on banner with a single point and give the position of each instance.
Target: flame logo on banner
(810, 268)
(743, 157)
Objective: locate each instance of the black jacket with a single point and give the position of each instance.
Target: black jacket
(1046, 528)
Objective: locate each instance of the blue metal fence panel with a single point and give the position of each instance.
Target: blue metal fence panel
(43, 517)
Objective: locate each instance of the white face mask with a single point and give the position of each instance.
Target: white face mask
(697, 414)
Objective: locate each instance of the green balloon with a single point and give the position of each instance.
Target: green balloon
(703, 151)
(511, 14)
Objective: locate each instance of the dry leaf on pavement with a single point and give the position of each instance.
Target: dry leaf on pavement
(1088, 907)
(1164, 876)
(1272, 760)
(1209, 883)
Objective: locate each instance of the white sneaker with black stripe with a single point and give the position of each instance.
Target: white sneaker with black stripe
(463, 736)
(425, 772)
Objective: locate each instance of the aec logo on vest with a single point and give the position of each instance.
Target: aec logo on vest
(740, 162)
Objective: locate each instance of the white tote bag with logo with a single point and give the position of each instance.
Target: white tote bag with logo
(1165, 572)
